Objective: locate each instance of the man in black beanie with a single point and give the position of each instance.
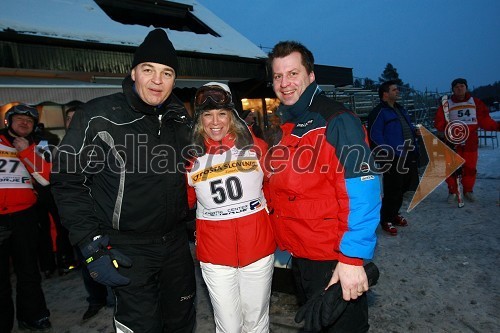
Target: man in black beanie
(120, 189)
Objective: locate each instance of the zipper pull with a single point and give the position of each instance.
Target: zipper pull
(159, 120)
(220, 147)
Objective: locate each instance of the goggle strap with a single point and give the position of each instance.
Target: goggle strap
(216, 94)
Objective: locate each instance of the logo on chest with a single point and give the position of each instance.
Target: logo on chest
(303, 125)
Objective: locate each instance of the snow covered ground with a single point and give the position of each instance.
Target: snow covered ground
(440, 273)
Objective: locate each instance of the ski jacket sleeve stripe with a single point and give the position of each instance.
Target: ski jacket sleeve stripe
(346, 134)
(36, 165)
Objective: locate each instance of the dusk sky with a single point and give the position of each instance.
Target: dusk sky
(430, 42)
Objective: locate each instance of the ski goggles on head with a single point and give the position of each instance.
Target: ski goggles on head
(25, 110)
(213, 95)
(20, 109)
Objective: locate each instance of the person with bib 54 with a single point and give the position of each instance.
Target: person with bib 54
(473, 113)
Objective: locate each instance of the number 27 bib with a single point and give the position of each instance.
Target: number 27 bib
(13, 173)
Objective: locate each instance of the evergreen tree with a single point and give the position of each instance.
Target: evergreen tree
(369, 83)
(489, 94)
(390, 73)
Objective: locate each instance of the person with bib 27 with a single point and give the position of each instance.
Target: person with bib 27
(473, 113)
(234, 239)
(21, 164)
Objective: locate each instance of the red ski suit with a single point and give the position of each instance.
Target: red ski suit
(468, 150)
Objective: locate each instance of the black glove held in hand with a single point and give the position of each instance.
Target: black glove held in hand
(324, 308)
(102, 262)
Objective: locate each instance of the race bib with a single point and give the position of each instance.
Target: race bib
(227, 185)
(463, 111)
(13, 173)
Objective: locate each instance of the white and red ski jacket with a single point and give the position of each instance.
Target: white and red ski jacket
(18, 170)
(232, 223)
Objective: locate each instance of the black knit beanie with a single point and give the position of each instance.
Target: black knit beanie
(457, 81)
(156, 48)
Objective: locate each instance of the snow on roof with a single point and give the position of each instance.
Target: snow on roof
(84, 20)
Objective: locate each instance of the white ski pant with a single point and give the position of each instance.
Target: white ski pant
(240, 296)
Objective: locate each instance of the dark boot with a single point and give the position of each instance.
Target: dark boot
(40, 325)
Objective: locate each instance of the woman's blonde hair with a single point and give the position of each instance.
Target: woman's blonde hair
(237, 129)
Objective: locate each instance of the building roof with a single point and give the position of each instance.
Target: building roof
(85, 20)
(84, 40)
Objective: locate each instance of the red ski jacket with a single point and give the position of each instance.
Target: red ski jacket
(325, 197)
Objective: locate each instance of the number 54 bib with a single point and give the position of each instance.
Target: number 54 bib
(463, 111)
(227, 185)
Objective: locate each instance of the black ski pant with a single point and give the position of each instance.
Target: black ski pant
(402, 176)
(310, 276)
(65, 253)
(161, 294)
(21, 246)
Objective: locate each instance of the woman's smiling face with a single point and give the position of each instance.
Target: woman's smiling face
(216, 123)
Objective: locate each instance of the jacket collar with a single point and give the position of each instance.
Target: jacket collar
(455, 99)
(171, 108)
(290, 112)
(396, 105)
(5, 133)
(218, 147)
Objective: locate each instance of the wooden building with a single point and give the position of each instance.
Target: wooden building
(58, 53)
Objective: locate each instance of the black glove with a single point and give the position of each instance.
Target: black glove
(324, 308)
(102, 262)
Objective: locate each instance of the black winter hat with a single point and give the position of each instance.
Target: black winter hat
(157, 48)
(457, 81)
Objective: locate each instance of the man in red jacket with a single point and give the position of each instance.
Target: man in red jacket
(467, 114)
(325, 195)
(20, 166)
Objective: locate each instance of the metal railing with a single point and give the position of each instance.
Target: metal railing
(421, 106)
